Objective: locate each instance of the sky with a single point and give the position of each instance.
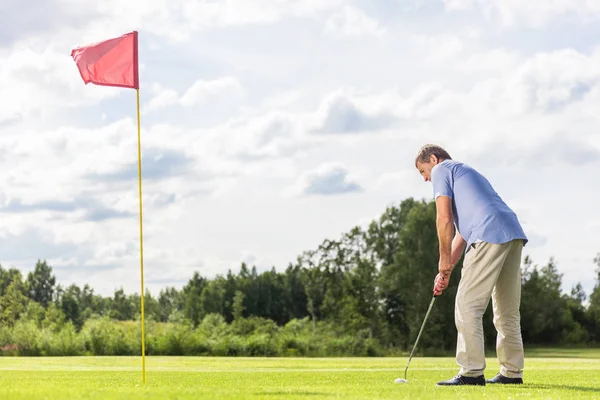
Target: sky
(269, 126)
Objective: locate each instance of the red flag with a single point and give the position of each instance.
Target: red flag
(112, 62)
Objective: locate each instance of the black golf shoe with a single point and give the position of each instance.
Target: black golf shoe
(505, 380)
(463, 380)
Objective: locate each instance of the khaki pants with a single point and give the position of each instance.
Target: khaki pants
(490, 270)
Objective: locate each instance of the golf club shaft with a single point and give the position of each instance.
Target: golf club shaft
(419, 335)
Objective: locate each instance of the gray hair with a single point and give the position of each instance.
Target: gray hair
(431, 149)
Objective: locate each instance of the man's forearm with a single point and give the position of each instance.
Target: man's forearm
(458, 247)
(445, 231)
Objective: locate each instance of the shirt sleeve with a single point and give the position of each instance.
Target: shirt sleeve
(441, 178)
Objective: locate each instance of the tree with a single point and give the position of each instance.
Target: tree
(594, 305)
(212, 297)
(151, 308)
(314, 287)
(170, 300)
(192, 293)
(595, 296)
(13, 303)
(71, 306)
(295, 294)
(545, 315)
(270, 293)
(577, 329)
(7, 277)
(407, 283)
(383, 234)
(238, 306)
(40, 284)
(55, 318)
(122, 307)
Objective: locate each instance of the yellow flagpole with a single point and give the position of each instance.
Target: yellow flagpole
(137, 91)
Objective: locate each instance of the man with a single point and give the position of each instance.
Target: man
(490, 235)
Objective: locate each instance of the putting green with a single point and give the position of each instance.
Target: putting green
(574, 376)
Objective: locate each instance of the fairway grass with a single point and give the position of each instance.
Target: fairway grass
(284, 378)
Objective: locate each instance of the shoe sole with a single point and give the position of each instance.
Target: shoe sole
(464, 384)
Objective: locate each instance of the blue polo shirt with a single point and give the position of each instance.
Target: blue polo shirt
(479, 212)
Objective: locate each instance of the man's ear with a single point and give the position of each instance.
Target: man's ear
(433, 158)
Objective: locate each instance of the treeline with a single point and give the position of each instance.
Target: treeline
(365, 293)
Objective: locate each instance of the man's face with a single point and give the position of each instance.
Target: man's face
(425, 168)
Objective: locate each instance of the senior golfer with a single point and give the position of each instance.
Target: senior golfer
(493, 238)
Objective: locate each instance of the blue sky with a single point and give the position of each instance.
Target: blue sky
(270, 126)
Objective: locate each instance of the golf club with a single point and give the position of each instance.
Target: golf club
(400, 380)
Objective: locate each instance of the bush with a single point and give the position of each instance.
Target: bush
(65, 342)
(104, 337)
(261, 345)
(27, 338)
(247, 337)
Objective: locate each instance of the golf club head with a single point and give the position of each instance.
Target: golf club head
(400, 380)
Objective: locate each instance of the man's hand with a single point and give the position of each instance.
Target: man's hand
(440, 284)
(443, 277)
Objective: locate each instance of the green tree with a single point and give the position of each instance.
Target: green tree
(594, 305)
(577, 325)
(151, 308)
(35, 313)
(7, 277)
(295, 293)
(40, 284)
(363, 300)
(55, 318)
(71, 307)
(268, 292)
(169, 301)
(407, 283)
(314, 286)
(192, 293)
(383, 235)
(545, 315)
(212, 298)
(13, 303)
(89, 304)
(238, 306)
(122, 307)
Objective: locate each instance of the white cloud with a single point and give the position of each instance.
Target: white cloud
(163, 99)
(402, 182)
(531, 13)
(240, 12)
(203, 90)
(226, 89)
(495, 61)
(352, 21)
(439, 49)
(327, 179)
(175, 21)
(275, 134)
(38, 83)
(340, 113)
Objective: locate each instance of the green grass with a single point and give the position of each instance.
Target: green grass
(575, 375)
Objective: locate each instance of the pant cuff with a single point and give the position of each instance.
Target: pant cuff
(511, 374)
(470, 374)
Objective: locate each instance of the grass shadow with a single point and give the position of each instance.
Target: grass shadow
(563, 352)
(555, 387)
(289, 393)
